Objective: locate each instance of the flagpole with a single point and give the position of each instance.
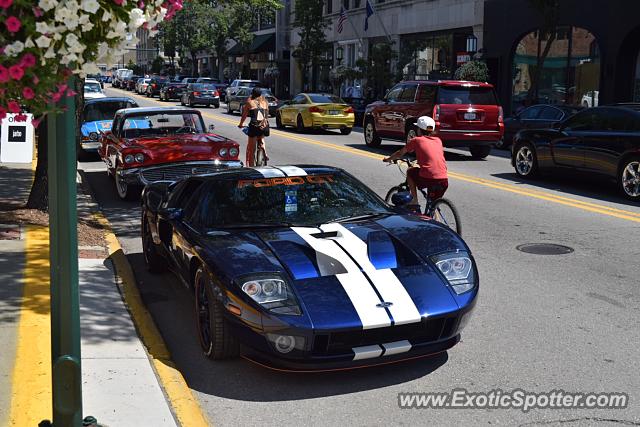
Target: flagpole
(386, 33)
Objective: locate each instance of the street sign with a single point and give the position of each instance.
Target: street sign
(16, 140)
(463, 58)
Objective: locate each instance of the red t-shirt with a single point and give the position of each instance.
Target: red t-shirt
(430, 155)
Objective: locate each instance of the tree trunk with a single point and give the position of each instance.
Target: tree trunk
(39, 195)
(194, 64)
(535, 78)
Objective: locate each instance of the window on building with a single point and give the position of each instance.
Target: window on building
(425, 56)
(356, 4)
(568, 75)
(345, 4)
(329, 7)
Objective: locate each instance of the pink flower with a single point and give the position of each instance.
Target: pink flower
(13, 106)
(3, 113)
(119, 2)
(36, 11)
(56, 97)
(28, 60)
(4, 74)
(28, 93)
(62, 87)
(20, 117)
(35, 123)
(36, 80)
(16, 72)
(4, 4)
(141, 4)
(71, 93)
(13, 24)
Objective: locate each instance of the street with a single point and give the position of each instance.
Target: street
(542, 323)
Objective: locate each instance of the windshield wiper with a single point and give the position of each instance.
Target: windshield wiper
(367, 215)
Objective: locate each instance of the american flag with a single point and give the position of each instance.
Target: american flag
(343, 17)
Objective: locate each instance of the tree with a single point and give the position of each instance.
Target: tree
(476, 71)
(378, 71)
(157, 65)
(549, 9)
(311, 25)
(137, 70)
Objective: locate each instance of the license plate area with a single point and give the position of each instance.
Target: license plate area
(333, 112)
(470, 116)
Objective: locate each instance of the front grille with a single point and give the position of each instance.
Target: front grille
(417, 333)
(177, 172)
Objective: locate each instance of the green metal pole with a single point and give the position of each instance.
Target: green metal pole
(63, 243)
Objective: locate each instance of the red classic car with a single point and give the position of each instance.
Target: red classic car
(162, 144)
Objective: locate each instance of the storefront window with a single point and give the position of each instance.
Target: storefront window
(425, 57)
(558, 68)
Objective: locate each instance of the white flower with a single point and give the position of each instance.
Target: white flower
(90, 68)
(74, 44)
(57, 36)
(85, 23)
(66, 59)
(43, 28)
(29, 43)
(47, 5)
(14, 48)
(105, 15)
(136, 19)
(90, 6)
(51, 53)
(43, 42)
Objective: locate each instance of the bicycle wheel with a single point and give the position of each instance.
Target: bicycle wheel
(444, 212)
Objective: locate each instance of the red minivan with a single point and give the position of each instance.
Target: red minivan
(467, 114)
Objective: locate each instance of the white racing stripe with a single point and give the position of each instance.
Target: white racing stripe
(390, 288)
(396, 347)
(292, 170)
(355, 284)
(270, 172)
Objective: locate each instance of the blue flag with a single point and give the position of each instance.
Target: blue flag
(370, 12)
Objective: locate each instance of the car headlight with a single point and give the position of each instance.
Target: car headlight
(272, 293)
(286, 343)
(458, 269)
(222, 152)
(93, 136)
(139, 157)
(129, 158)
(233, 152)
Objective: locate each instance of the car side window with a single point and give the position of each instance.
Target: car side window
(530, 113)
(550, 113)
(617, 120)
(408, 93)
(582, 121)
(394, 94)
(300, 99)
(426, 93)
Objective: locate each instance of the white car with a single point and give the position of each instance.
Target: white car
(93, 90)
(141, 85)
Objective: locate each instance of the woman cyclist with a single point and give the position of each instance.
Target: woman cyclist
(257, 109)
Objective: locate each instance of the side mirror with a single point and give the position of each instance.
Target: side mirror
(171, 214)
(212, 127)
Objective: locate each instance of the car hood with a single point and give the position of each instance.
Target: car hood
(175, 148)
(339, 270)
(96, 126)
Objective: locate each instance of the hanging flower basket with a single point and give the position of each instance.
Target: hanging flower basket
(43, 43)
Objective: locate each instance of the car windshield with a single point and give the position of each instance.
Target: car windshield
(91, 87)
(99, 111)
(326, 99)
(204, 86)
(304, 200)
(161, 124)
(466, 95)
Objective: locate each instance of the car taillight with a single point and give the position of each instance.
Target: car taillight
(315, 109)
(216, 93)
(155, 85)
(196, 93)
(436, 113)
(500, 115)
(348, 110)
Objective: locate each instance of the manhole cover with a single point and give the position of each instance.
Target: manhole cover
(544, 249)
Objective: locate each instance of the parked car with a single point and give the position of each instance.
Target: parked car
(98, 78)
(200, 93)
(154, 86)
(316, 111)
(141, 85)
(359, 106)
(534, 117)
(130, 82)
(234, 85)
(92, 89)
(97, 117)
(467, 114)
(162, 143)
(240, 96)
(171, 91)
(119, 76)
(355, 283)
(602, 140)
(178, 78)
(188, 80)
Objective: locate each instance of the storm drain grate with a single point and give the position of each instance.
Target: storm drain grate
(544, 249)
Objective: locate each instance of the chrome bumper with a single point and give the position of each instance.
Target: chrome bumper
(174, 171)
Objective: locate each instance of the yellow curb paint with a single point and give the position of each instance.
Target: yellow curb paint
(536, 194)
(184, 405)
(31, 379)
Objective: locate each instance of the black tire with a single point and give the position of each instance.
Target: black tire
(629, 178)
(503, 144)
(447, 214)
(525, 160)
(182, 101)
(345, 131)
(300, 124)
(229, 110)
(154, 261)
(479, 151)
(126, 191)
(214, 332)
(371, 138)
(216, 105)
(279, 124)
(191, 103)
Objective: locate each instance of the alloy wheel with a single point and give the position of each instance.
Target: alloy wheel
(631, 179)
(204, 315)
(524, 160)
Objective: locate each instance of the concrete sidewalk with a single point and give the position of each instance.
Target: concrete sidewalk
(119, 385)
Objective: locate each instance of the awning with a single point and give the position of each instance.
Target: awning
(261, 43)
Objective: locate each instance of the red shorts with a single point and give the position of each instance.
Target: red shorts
(435, 187)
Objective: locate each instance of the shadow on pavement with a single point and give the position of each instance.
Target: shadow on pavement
(576, 183)
(15, 188)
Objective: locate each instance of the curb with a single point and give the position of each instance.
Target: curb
(183, 404)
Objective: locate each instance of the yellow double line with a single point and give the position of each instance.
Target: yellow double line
(536, 194)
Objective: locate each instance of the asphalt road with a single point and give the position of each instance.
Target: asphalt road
(542, 323)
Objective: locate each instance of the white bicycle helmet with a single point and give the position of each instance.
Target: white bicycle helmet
(426, 122)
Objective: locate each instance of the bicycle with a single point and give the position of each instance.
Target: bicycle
(441, 210)
(259, 153)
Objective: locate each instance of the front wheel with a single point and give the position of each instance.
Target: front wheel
(126, 191)
(345, 131)
(216, 105)
(479, 151)
(629, 180)
(444, 212)
(371, 138)
(526, 161)
(300, 124)
(214, 332)
(155, 262)
(279, 124)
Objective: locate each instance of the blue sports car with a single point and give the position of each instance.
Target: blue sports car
(305, 268)
(97, 117)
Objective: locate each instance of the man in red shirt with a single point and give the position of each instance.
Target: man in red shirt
(432, 170)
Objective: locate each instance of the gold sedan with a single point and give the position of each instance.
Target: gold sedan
(316, 111)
